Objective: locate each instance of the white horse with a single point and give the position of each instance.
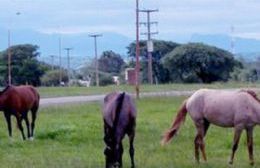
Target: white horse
(238, 109)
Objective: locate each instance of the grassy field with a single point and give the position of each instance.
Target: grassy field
(71, 136)
(74, 91)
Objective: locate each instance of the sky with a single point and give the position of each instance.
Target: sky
(178, 19)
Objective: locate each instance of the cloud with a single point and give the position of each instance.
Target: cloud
(180, 17)
(88, 29)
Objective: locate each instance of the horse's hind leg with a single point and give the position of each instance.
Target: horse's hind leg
(249, 132)
(19, 123)
(27, 124)
(131, 148)
(237, 135)
(198, 141)
(202, 146)
(34, 115)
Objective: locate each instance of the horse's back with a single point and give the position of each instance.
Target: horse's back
(127, 111)
(30, 89)
(219, 107)
(24, 96)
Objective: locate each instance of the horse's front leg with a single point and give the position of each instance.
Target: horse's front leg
(249, 132)
(238, 131)
(8, 121)
(25, 116)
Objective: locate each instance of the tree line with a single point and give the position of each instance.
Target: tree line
(172, 62)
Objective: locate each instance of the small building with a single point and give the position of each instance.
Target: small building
(130, 76)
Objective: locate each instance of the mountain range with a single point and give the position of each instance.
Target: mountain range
(249, 49)
(83, 45)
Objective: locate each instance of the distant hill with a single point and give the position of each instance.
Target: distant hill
(247, 48)
(82, 44)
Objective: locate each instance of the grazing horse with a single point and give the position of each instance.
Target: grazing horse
(17, 101)
(119, 115)
(238, 109)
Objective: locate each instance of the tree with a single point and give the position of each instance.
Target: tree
(196, 62)
(250, 71)
(161, 48)
(110, 62)
(26, 69)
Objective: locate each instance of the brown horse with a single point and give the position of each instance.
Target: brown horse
(17, 101)
(119, 114)
(238, 109)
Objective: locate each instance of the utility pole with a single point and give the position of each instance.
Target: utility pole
(95, 36)
(148, 23)
(9, 58)
(60, 77)
(232, 45)
(137, 52)
(68, 57)
(9, 53)
(52, 61)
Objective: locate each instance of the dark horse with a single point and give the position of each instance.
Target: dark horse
(237, 109)
(119, 114)
(17, 101)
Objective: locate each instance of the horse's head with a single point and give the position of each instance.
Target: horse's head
(3, 94)
(109, 153)
(112, 153)
(109, 150)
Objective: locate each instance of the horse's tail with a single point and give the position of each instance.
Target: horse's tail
(176, 124)
(119, 104)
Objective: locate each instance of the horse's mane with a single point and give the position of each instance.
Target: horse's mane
(5, 89)
(119, 101)
(252, 93)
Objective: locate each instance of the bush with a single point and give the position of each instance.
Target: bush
(52, 78)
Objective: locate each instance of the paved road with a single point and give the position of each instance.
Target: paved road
(80, 99)
(72, 99)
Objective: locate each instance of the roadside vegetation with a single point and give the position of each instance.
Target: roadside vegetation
(172, 63)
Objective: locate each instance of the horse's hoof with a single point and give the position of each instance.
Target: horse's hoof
(252, 163)
(31, 138)
(117, 165)
(230, 162)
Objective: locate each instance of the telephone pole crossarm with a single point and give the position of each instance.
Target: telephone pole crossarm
(149, 33)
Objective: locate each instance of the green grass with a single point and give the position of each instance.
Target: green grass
(72, 136)
(75, 91)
